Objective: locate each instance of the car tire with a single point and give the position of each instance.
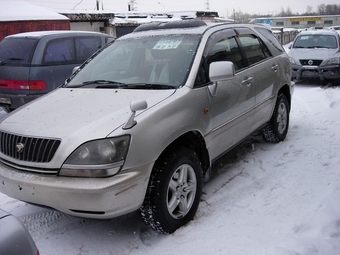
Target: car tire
(174, 190)
(276, 129)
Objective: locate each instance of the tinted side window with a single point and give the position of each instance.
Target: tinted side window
(254, 50)
(59, 51)
(227, 50)
(85, 47)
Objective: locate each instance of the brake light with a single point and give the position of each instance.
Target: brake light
(23, 85)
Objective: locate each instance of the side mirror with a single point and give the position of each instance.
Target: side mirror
(136, 105)
(221, 70)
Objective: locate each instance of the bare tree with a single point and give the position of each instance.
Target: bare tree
(322, 9)
(309, 9)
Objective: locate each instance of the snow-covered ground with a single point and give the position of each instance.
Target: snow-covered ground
(268, 199)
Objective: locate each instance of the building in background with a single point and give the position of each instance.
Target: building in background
(118, 24)
(18, 16)
(301, 22)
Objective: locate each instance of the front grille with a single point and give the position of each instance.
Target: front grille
(314, 62)
(31, 149)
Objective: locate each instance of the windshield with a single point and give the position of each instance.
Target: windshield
(156, 62)
(16, 51)
(316, 41)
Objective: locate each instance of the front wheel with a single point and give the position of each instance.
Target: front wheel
(277, 128)
(174, 190)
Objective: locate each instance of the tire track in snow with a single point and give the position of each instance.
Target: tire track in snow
(51, 221)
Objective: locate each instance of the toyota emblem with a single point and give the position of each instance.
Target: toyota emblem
(20, 147)
(310, 62)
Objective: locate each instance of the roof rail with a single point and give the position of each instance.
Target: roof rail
(170, 25)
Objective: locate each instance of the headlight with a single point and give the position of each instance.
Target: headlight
(333, 61)
(292, 60)
(99, 158)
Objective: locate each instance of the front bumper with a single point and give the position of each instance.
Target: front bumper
(101, 198)
(315, 72)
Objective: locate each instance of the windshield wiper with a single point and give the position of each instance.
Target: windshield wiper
(103, 84)
(148, 86)
(9, 59)
(106, 84)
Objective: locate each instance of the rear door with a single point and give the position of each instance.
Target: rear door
(263, 71)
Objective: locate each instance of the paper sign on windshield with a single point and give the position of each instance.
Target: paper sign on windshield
(165, 44)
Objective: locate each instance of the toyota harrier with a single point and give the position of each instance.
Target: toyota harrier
(140, 123)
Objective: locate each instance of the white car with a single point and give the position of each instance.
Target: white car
(315, 54)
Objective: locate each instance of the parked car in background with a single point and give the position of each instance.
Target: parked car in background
(315, 54)
(334, 27)
(35, 63)
(139, 125)
(14, 237)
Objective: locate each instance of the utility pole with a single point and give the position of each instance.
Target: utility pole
(97, 5)
(207, 5)
(131, 6)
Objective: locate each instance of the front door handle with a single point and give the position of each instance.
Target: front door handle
(247, 80)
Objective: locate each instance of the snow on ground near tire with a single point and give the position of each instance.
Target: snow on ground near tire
(268, 199)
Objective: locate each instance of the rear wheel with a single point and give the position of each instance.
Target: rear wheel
(277, 128)
(174, 191)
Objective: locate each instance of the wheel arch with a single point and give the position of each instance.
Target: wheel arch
(286, 91)
(194, 141)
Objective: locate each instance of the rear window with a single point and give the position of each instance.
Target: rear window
(16, 51)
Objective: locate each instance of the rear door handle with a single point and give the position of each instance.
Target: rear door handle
(274, 68)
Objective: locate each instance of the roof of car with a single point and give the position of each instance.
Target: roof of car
(182, 27)
(39, 34)
(318, 32)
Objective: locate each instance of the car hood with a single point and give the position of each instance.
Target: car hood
(83, 114)
(315, 53)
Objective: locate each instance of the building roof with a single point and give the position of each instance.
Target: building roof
(12, 10)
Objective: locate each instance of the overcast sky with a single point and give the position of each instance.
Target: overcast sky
(223, 7)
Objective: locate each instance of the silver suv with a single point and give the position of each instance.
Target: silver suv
(140, 123)
(315, 54)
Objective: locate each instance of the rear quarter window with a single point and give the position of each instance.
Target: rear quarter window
(271, 38)
(85, 47)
